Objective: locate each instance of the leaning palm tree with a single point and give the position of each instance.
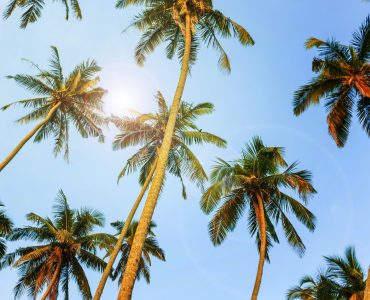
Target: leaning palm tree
(343, 80)
(257, 182)
(33, 9)
(183, 25)
(66, 243)
(148, 130)
(6, 227)
(60, 101)
(343, 279)
(151, 249)
(320, 287)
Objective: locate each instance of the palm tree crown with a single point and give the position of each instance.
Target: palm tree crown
(164, 21)
(148, 129)
(33, 9)
(343, 279)
(257, 182)
(151, 248)
(343, 80)
(75, 97)
(66, 242)
(261, 171)
(320, 287)
(6, 227)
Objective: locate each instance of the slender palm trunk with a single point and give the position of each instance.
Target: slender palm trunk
(367, 288)
(260, 212)
(53, 279)
(117, 248)
(7, 160)
(129, 277)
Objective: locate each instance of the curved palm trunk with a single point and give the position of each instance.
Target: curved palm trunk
(8, 159)
(53, 279)
(129, 277)
(260, 212)
(117, 248)
(367, 288)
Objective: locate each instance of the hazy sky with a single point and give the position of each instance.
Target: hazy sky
(255, 99)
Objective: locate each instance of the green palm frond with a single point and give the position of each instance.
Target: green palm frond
(32, 10)
(69, 238)
(147, 130)
(76, 97)
(343, 278)
(151, 249)
(342, 80)
(237, 185)
(163, 21)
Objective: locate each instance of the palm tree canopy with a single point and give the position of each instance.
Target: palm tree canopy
(151, 249)
(348, 274)
(163, 21)
(343, 80)
(77, 94)
(320, 287)
(261, 171)
(147, 130)
(6, 227)
(343, 279)
(66, 239)
(33, 9)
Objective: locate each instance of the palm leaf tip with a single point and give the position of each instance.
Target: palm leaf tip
(314, 43)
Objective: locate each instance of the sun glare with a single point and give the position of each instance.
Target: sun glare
(129, 88)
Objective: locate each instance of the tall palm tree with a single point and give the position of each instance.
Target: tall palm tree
(183, 24)
(343, 80)
(320, 287)
(151, 249)
(343, 279)
(66, 243)
(148, 130)
(6, 227)
(33, 8)
(61, 101)
(257, 182)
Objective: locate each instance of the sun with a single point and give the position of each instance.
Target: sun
(129, 87)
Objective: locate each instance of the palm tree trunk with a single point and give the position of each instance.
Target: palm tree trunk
(53, 279)
(260, 212)
(367, 288)
(117, 248)
(129, 277)
(7, 160)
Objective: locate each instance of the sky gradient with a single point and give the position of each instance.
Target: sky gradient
(255, 99)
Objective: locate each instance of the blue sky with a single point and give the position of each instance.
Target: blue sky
(255, 99)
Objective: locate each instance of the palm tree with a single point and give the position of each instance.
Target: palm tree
(6, 227)
(320, 287)
(61, 101)
(150, 249)
(33, 8)
(343, 80)
(257, 182)
(367, 288)
(148, 130)
(348, 273)
(66, 243)
(343, 279)
(183, 24)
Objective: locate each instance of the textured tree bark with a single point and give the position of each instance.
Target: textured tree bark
(128, 280)
(53, 279)
(367, 288)
(8, 159)
(117, 248)
(260, 212)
